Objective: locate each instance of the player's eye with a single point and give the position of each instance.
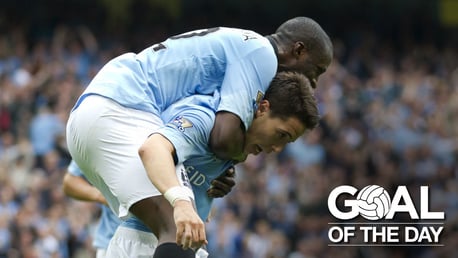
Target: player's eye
(282, 135)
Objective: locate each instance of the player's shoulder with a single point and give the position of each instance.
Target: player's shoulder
(241, 42)
(231, 30)
(244, 34)
(198, 108)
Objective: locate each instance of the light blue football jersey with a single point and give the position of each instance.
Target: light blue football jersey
(108, 221)
(239, 63)
(188, 126)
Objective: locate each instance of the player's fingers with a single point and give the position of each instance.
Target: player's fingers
(180, 234)
(215, 193)
(220, 187)
(223, 185)
(184, 235)
(195, 238)
(199, 237)
(203, 237)
(187, 237)
(229, 181)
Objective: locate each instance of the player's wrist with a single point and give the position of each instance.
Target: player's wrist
(178, 193)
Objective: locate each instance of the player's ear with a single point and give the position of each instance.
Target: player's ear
(263, 107)
(299, 49)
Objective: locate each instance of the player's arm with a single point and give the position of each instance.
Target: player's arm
(245, 81)
(157, 154)
(227, 138)
(78, 188)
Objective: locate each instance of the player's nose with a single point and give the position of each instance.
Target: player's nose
(277, 148)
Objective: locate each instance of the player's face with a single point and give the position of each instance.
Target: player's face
(271, 134)
(310, 65)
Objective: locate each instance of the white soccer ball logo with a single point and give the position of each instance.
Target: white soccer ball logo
(374, 202)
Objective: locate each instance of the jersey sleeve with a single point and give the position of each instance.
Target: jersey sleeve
(189, 130)
(245, 83)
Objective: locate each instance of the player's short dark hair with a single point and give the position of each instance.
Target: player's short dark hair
(309, 32)
(290, 95)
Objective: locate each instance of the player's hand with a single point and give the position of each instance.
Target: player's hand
(101, 199)
(223, 184)
(190, 228)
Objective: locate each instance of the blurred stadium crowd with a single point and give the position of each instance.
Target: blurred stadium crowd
(389, 117)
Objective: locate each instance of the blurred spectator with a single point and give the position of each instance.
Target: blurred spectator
(45, 129)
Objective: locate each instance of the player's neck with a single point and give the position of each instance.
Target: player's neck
(274, 42)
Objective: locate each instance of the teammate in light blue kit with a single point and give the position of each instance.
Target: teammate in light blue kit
(188, 129)
(284, 115)
(75, 187)
(197, 62)
(122, 106)
(240, 63)
(189, 126)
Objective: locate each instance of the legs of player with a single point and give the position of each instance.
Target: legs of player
(101, 140)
